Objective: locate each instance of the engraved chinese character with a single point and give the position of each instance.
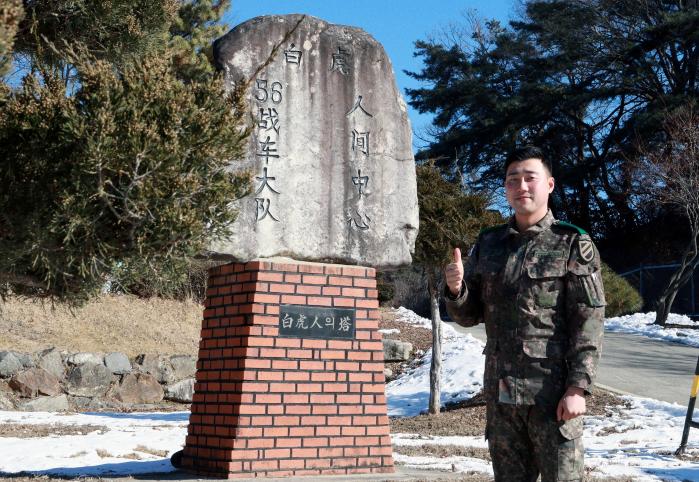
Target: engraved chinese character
(358, 220)
(360, 141)
(340, 61)
(360, 181)
(262, 209)
(316, 323)
(344, 324)
(267, 149)
(265, 182)
(287, 321)
(293, 56)
(301, 323)
(269, 119)
(358, 105)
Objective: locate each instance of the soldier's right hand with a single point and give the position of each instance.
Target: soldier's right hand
(454, 273)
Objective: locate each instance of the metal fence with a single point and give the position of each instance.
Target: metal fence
(651, 280)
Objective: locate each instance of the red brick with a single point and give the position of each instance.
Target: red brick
(266, 276)
(314, 279)
(325, 409)
(265, 298)
(335, 387)
(285, 365)
(280, 453)
(336, 280)
(292, 464)
(318, 463)
(348, 398)
(260, 341)
(260, 420)
(374, 294)
(272, 309)
(344, 462)
(367, 303)
(295, 398)
(320, 301)
(281, 288)
(332, 290)
(254, 387)
(371, 345)
(356, 451)
(305, 452)
(285, 420)
(308, 290)
(311, 343)
(293, 268)
(288, 342)
(297, 409)
(309, 387)
(386, 450)
(252, 409)
(345, 302)
(351, 409)
(367, 325)
(354, 292)
(259, 443)
(308, 422)
(355, 431)
(273, 352)
(282, 387)
(297, 376)
(324, 376)
(276, 431)
(365, 282)
(311, 268)
(379, 430)
(293, 300)
(340, 344)
(322, 398)
(270, 376)
(333, 269)
(330, 452)
(339, 420)
(351, 271)
(360, 377)
(292, 278)
(315, 442)
(311, 365)
(290, 353)
(289, 442)
(347, 366)
(332, 355)
(264, 465)
(268, 398)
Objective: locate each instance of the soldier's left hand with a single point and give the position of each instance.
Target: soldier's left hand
(572, 404)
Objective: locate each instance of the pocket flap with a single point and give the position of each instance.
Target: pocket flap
(572, 429)
(542, 349)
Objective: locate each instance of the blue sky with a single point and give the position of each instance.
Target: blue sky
(394, 23)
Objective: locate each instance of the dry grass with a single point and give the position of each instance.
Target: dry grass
(21, 430)
(110, 323)
(148, 450)
(103, 453)
(443, 451)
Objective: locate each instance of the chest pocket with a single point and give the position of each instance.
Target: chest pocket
(545, 276)
(491, 268)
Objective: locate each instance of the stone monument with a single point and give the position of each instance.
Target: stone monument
(290, 373)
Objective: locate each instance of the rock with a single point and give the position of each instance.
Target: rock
(184, 366)
(157, 365)
(181, 391)
(46, 404)
(117, 363)
(35, 381)
(9, 364)
(330, 148)
(89, 404)
(138, 388)
(388, 373)
(51, 361)
(396, 350)
(77, 359)
(7, 396)
(89, 380)
(25, 359)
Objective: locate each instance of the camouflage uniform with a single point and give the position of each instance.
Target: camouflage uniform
(540, 295)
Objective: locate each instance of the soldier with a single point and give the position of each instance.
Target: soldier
(537, 285)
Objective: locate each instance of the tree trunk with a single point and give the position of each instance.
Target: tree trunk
(690, 260)
(436, 366)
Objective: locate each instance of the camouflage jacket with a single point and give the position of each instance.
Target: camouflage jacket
(541, 297)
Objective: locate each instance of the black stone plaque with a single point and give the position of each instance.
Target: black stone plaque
(302, 321)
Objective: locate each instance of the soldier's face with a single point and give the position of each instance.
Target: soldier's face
(527, 187)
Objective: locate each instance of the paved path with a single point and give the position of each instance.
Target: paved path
(639, 365)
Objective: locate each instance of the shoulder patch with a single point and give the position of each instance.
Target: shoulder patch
(586, 250)
(575, 228)
(491, 228)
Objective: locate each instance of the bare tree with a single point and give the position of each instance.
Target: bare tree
(671, 176)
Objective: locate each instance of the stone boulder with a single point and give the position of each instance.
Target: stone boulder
(46, 404)
(77, 359)
(396, 350)
(330, 145)
(35, 381)
(183, 366)
(181, 391)
(10, 364)
(138, 388)
(89, 380)
(117, 363)
(157, 365)
(51, 361)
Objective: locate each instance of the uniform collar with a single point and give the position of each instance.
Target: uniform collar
(543, 224)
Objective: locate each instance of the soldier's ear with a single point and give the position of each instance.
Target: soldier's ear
(551, 182)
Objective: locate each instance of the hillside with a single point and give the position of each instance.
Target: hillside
(110, 323)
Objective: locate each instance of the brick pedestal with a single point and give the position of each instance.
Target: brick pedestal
(271, 406)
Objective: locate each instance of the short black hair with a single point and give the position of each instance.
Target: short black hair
(527, 152)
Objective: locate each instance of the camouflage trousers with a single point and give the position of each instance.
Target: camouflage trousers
(526, 441)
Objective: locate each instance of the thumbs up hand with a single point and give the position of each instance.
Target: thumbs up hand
(454, 273)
